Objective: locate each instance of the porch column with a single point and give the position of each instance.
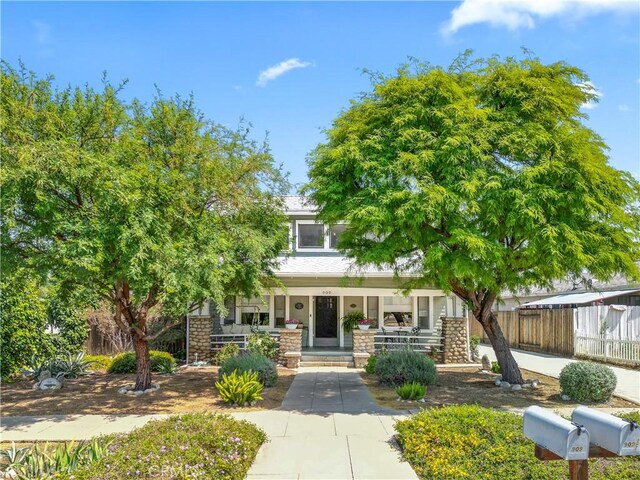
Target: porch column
(380, 312)
(290, 349)
(287, 307)
(455, 344)
(200, 330)
(272, 311)
(414, 317)
(363, 346)
(340, 315)
(311, 321)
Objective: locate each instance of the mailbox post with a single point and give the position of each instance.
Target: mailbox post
(592, 434)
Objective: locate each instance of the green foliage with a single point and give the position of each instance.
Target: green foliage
(161, 362)
(472, 442)
(22, 323)
(145, 203)
(226, 352)
(588, 382)
(402, 366)
(351, 319)
(98, 362)
(477, 178)
(72, 328)
(495, 367)
(195, 445)
(241, 390)
(474, 341)
(411, 391)
(264, 344)
(252, 362)
(65, 365)
(370, 366)
(44, 461)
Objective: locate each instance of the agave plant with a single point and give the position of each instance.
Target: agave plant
(36, 366)
(72, 366)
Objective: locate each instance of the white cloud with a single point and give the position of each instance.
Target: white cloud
(275, 71)
(624, 108)
(237, 88)
(42, 32)
(515, 14)
(589, 87)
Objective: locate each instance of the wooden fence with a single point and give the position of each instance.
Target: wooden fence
(546, 331)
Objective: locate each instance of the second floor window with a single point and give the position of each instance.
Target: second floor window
(310, 235)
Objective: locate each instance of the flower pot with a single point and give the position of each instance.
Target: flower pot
(363, 327)
(291, 326)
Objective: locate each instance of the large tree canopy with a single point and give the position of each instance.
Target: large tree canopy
(139, 204)
(478, 178)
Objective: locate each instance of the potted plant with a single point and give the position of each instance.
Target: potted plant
(291, 324)
(364, 324)
(351, 319)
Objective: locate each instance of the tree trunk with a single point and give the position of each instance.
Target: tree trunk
(508, 365)
(143, 364)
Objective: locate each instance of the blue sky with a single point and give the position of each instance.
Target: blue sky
(289, 68)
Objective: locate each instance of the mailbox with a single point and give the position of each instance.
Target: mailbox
(550, 431)
(619, 436)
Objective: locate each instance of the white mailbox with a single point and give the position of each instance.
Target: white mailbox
(619, 436)
(565, 439)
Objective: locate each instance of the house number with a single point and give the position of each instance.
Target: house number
(326, 292)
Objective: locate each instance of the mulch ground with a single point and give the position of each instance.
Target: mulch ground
(469, 385)
(188, 390)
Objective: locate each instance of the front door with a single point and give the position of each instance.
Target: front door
(326, 321)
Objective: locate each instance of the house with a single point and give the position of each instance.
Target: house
(320, 286)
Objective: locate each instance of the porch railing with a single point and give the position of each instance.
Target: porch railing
(219, 340)
(398, 340)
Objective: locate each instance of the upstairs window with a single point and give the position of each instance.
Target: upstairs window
(334, 234)
(310, 235)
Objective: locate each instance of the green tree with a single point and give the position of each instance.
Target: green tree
(69, 327)
(141, 205)
(478, 178)
(23, 322)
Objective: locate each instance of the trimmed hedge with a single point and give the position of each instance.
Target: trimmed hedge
(405, 366)
(472, 442)
(195, 445)
(161, 362)
(252, 362)
(588, 382)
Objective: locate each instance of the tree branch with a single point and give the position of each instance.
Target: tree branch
(150, 338)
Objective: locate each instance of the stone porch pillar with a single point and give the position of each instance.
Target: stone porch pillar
(200, 329)
(363, 346)
(455, 343)
(290, 349)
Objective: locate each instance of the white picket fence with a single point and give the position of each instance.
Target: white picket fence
(608, 332)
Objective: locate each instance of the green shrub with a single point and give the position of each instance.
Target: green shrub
(402, 366)
(474, 342)
(471, 442)
(228, 351)
(52, 461)
(588, 382)
(411, 391)
(98, 362)
(252, 362)
(195, 445)
(263, 344)
(495, 367)
(241, 390)
(160, 362)
(370, 366)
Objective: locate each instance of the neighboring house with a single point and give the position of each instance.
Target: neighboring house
(597, 289)
(320, 287)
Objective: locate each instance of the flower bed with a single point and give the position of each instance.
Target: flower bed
(195, 445)
(472, 442)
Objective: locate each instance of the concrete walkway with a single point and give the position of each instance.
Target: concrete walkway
(330, 427)
(628, 380)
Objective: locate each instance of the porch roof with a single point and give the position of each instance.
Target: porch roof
(325, 266)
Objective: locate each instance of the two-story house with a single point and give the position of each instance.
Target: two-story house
(320, 287)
